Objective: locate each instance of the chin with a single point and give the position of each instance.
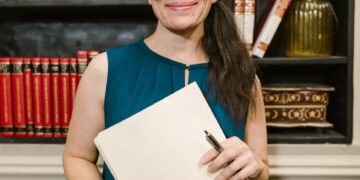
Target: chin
(181, 25)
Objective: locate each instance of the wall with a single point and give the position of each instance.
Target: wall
(357, 75)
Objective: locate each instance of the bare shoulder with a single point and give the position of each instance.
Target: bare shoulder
(257, 81)
(98, 66)
(256, 89)
(94, 78)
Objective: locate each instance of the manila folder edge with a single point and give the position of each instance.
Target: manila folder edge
(164, 141)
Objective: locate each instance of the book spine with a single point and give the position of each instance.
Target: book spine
(239, 11)
(73, 81)
(18, 96)
(82, 61)
(37, 96)
(28, 98)
(55, 96)
(64, 96)
(263, 18)
(249, 23)
(6, 117)
(46, 98)
(270, 26)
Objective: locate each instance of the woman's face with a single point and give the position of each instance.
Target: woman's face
(180, 15)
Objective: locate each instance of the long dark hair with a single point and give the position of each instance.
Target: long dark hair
(231, 70)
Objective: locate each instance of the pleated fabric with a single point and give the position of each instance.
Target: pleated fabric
(138, 77)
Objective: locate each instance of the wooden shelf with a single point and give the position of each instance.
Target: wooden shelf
(304, 135)
(62, 3)
(25, 140)
(301, 60)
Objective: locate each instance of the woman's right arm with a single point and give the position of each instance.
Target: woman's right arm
(87, 120)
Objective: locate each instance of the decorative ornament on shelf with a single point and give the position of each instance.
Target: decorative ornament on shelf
(309, 27)
(298, 105)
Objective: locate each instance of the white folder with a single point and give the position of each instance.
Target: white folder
(164, 141)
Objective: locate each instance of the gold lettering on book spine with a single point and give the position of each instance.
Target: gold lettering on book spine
(17, 68)
(82, 67)
(18, 95)
(28, 98)
(46, 94)
(73, 88)
(4, 68)
(37, 98)
(56, 106)
(65, 100)
(45, 68)
(36, 68)
(6, 115)
(72, 68)
(63, 68)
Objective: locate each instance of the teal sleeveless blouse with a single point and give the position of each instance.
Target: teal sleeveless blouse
(138, 77)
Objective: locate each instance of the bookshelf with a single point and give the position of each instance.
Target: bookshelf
(336, 70)
(32, 140)
(300, 61)
(61, 27)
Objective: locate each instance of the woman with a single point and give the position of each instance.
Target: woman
(195, 40)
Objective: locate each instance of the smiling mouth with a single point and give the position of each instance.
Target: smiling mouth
(181, 5)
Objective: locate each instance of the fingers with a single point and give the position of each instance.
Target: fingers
(223, 159)
(244, 174)
(209, 156)
(237, 160)
(231, 169)
(212, 154)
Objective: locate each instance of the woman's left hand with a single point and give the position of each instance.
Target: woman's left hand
(237, 160)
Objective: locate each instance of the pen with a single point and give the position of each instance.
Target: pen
(214, 143)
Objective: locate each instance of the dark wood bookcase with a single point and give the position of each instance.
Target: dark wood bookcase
(61, 27)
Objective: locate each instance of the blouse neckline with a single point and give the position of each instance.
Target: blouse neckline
(171, 61)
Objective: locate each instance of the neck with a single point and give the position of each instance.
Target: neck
(181, 46)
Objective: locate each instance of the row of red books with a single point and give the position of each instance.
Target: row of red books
(37, 94)
(257, 40)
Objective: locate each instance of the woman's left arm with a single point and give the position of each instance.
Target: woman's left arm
(244, 159)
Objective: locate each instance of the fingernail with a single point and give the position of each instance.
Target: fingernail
(202, 160)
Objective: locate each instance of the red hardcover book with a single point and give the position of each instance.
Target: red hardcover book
(46, 98)
(37, 97)
(18, 96)
(6, 117)
(82, 61)
(55, 96)
(28, 98)
(64, 96)
(73, 81)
